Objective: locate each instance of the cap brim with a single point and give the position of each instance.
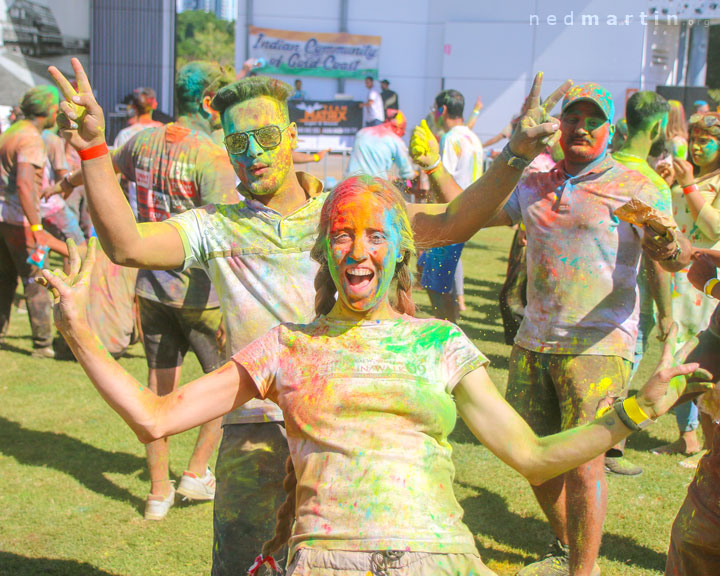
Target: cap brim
(586, 99)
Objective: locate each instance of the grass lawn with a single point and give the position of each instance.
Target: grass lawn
(75, 480)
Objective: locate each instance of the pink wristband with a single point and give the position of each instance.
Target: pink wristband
(689, 189)
(93, 152)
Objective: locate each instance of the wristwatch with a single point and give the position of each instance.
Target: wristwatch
(512, 160)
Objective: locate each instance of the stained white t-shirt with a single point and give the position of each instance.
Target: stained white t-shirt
(368, 409)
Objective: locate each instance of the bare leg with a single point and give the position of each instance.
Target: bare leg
(162, 381)
(586, 505)
(207, 440)
(551, 497)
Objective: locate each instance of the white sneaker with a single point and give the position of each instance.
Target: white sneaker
(194, 488)
(158, 509)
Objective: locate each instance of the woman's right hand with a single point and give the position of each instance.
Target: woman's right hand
(683, 172)
(80, 120)
(71, 291)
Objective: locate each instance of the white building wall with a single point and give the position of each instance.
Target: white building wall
(481, 47)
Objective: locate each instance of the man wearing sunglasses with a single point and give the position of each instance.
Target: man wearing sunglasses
(257, 253)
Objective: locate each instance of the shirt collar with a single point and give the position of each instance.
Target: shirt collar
(597, 166)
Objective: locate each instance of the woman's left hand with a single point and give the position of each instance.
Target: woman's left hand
(672, 379)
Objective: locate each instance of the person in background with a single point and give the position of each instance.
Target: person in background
(57, 217)
(389, 97)
(620, 135)
(646, 116)
(143, 103)
(701, 107)
(696, 204)
(378, 148)
(461, 154)
(22, 236)
(299, 93)
(373, 112)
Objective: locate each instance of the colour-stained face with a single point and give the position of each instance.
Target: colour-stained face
(585, 132)
(363, 248)
(262, 171)
(704, 148)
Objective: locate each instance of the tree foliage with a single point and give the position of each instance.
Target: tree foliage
(202, 36)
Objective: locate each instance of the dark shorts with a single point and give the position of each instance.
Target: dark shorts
(439, 266)
(250, 471)
(555, 392)
(169, 332)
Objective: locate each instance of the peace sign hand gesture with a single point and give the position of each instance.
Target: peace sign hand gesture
(81, 120)
(536, 129)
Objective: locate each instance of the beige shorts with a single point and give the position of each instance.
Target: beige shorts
(309, 562)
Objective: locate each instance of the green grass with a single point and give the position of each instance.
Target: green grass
(74, 476)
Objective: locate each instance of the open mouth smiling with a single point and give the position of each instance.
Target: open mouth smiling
(359, 278)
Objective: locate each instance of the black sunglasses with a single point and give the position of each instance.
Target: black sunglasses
(267, 137)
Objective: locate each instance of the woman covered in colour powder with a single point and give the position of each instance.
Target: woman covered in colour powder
(696, 207)
(369, 395)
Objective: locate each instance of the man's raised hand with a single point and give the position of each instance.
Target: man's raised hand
(81, 120)
(536, 128)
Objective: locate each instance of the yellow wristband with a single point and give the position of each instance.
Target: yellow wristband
(709, 285)
(316, 158)
(634, 412)
(36, 227)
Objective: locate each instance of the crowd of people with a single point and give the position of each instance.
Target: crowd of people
(330, 400)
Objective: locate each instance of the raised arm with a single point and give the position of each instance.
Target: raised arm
(154, 245)
(496, 424)
(483, 199)
(150, 416)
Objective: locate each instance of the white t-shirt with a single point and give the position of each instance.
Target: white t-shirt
(462, 155)
(368, 409)
(375, 111)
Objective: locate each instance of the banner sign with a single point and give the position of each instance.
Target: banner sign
(332, 117)
(338, 55)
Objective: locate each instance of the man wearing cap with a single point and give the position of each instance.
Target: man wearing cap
(576, 343)
(389, 97)
(377, 148)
